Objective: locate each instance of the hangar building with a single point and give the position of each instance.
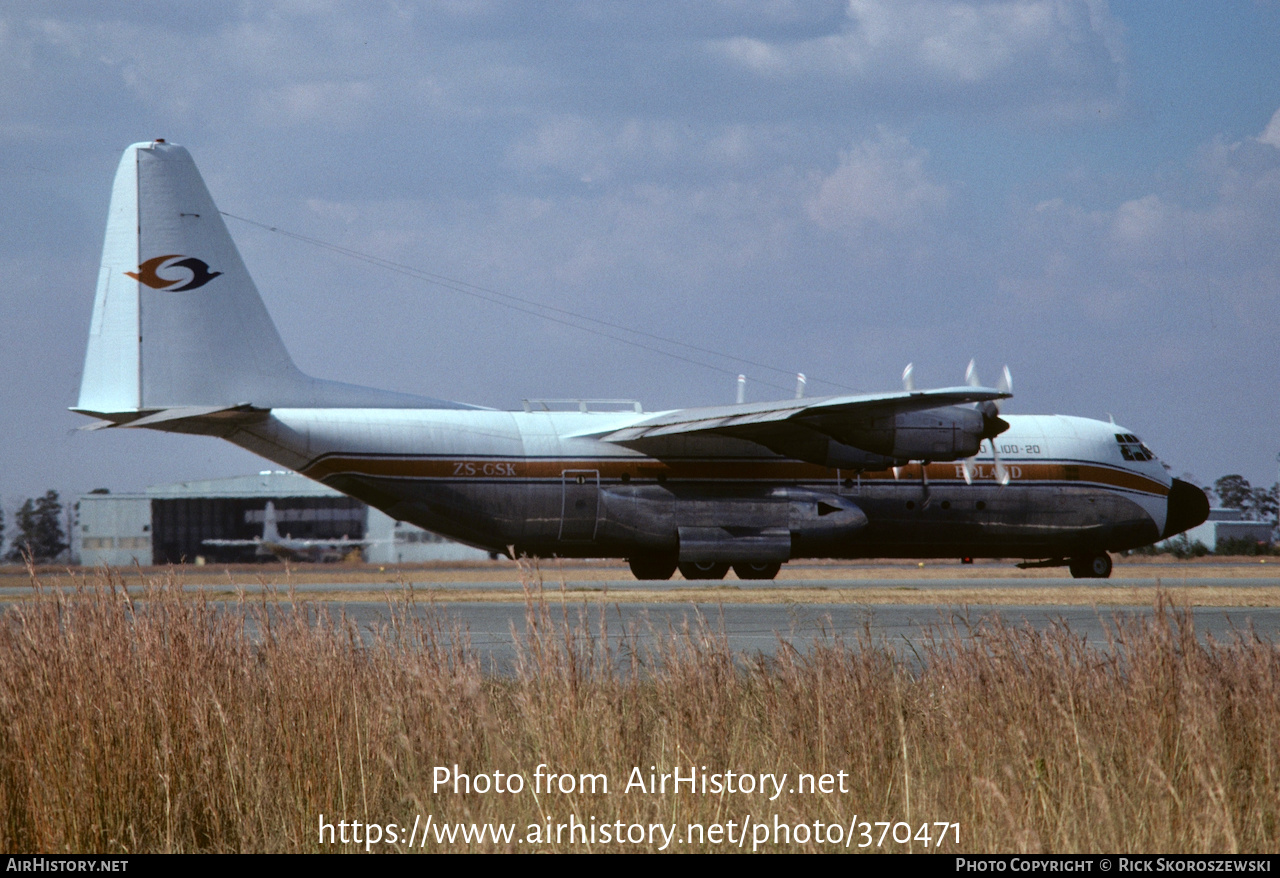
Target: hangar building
(1229, 524)
(171, 524)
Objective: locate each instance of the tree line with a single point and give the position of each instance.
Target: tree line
(38, 530)
(1255, 504)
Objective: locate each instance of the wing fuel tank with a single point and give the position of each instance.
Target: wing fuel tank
(729, 525)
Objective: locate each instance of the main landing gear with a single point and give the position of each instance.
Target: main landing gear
(704, 569)
(663, 567)
(757, 570)
(652, 567)
(1090, 566)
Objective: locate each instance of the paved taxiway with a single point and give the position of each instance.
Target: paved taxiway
(493, 628)
(901, 606)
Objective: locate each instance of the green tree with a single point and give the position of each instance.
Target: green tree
(1234, 492)
(39, 529)
(1265, 502)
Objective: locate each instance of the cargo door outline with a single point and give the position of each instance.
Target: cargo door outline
(580, 504)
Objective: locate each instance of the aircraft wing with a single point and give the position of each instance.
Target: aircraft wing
(795, 427)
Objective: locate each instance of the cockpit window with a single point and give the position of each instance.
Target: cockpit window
(1131, 448)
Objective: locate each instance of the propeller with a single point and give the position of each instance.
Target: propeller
(908, 384)
(992, 424)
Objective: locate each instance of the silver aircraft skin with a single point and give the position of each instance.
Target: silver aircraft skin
(180, 341)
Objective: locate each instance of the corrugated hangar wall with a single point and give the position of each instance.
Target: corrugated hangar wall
(171, 524)
(181, 525)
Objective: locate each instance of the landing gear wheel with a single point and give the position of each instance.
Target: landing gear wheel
(652, 567)
(1090, 566)
(704, 569)
(756, 570)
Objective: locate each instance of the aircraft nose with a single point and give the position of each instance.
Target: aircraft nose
(1188, 506)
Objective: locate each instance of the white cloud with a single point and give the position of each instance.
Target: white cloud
(1199, 250)
(1140, 227)
(571, 145)
(880, 182)
(1041, 46)
(597, 151)
(1271, 134)
(1225, 217)
(338, 104)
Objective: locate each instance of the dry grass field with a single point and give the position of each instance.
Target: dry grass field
(162, 721)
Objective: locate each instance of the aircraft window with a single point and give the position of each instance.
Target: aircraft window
(1131, 448)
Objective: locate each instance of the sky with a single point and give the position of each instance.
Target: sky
(1088, 192)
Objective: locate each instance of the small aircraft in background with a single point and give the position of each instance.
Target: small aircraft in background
(286, 548)
(180, 341)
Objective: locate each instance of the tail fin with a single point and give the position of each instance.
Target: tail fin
(177, 321)
(270, 530)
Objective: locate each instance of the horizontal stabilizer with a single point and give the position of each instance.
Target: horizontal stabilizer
(204, 420)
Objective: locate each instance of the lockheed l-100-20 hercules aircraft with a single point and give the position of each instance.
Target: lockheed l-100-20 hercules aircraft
(181, 341)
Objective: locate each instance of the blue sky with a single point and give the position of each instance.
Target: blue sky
(1089, 192)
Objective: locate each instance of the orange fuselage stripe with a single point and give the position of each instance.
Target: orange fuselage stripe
(613, 469)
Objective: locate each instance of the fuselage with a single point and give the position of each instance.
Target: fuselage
(541, 483)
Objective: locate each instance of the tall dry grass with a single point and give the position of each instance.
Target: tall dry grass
(166, 723)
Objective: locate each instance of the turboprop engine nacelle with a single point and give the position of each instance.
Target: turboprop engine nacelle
(935, 434)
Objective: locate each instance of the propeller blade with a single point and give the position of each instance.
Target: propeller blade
(1002, 472)
(966, 467)
(992, 424)
(908, 378)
